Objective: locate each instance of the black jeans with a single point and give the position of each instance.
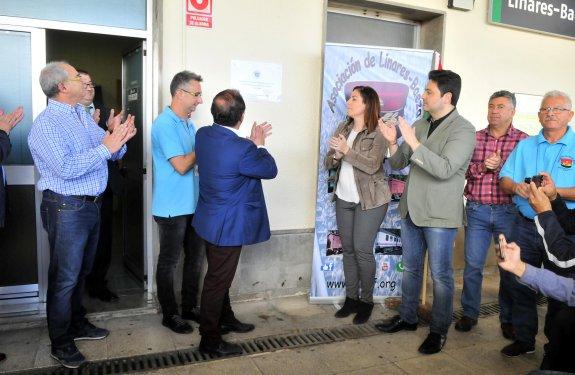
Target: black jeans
(177, 233)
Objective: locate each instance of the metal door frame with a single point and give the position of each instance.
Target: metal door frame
(37, 28)
(27, 175)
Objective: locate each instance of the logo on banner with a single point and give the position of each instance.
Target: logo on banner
(199, 13)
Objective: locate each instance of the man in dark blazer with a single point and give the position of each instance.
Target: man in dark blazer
(7, 122)
(231, 211)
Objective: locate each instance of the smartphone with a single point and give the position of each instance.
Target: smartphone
(499, 248)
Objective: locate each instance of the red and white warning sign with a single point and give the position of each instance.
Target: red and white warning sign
(199, 13)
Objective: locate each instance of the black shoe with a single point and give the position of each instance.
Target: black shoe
(68, 356)
(236, 326)
(223, 348)
(2, 357)
(193, 314)
(90, 332)
(433, 343)
(508, 331)
(516, 348)
(465, 324)
(177, 324)
(104, 295)
(364, 310)
(395, 324)
(349, 307)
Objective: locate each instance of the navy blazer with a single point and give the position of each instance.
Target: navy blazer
(5, 147)
(231, 209)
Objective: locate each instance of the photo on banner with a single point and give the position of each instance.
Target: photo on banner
(399, 77)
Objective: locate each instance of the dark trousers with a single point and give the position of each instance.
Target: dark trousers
(177, 233)
(560, 330)
(524, 308)
(72, 225)
(96, 280)
(215, 308)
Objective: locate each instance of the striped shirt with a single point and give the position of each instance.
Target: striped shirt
(66, 145)
(483, 184)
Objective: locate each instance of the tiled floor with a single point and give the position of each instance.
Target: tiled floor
(473, 352)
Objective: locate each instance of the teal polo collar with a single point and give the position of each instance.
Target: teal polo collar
(567, 139)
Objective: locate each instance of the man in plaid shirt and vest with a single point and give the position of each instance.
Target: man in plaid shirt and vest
(489, 210)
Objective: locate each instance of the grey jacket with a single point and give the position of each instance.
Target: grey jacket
(366, 156)
(433, 194)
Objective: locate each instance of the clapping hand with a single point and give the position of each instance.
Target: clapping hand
(9, 120)
(260, 132)
(339, 144)
(493, 161)
(121, 134)
(113, 121)
(388, 130)
(408, 133)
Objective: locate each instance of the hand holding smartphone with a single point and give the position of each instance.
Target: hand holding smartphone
(500, 248)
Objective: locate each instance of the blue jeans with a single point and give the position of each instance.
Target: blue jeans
(485, 222)
(439, 244)
(72, 225)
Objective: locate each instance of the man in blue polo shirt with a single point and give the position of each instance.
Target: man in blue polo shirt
(175, 196)
(551, 151)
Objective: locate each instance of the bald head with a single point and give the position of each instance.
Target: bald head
(228, 108)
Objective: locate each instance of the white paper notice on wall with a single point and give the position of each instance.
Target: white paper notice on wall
(257, 80)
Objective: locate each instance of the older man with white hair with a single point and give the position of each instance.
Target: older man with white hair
(71, 152)
(551, 151)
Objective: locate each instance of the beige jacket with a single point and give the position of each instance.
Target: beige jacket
(366, 156)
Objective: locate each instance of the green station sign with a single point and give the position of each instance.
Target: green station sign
(546, 16)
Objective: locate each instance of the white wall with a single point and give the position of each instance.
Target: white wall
(278, 31)
(488, 58)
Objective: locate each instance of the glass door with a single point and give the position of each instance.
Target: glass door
(22, 241)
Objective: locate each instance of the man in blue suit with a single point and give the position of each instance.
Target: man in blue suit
(231, 211)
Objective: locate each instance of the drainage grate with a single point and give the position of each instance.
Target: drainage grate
(183, 357)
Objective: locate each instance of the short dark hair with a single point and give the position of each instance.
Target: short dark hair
(447, 81)
(82, 71)
(228, 107)
(504, 94)
(182, 78)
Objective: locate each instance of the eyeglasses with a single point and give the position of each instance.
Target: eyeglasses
(75, 78)
(89, 85)
(553, 110)
(195, 94)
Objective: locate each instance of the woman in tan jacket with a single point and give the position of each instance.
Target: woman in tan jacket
(362, 194)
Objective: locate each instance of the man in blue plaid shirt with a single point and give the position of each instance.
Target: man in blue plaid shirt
(71, 154)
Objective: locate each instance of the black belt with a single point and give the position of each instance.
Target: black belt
(87, 198)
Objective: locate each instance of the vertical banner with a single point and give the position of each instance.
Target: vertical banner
(399, 77)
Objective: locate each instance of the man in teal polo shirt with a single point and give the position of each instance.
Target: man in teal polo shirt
(175, 196)
(551, 151)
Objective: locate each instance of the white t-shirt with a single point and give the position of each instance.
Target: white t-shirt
(346, 189)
